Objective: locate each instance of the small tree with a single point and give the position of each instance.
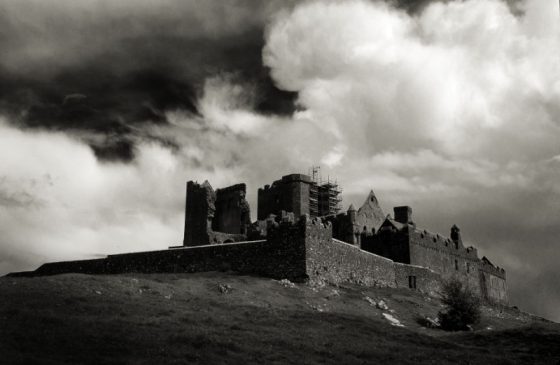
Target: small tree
(462, 306)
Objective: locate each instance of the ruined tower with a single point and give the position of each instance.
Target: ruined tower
(215, 216)
(290, 194)
(232, 210)
(200, 210)
(299, 194)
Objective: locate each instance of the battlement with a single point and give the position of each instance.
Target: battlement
(488, 267)
(441, 243)
(296, 178)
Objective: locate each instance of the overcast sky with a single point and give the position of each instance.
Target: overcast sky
(107, 108)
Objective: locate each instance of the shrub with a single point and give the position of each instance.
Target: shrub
(462, 307)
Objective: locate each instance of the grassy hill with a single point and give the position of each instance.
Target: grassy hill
(225, 318)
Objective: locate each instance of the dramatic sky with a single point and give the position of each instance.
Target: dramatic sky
(107, 108)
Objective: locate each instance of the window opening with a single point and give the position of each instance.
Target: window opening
(412, 282)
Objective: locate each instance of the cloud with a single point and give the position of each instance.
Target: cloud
(451, 108)
(130, 62)
(63, 203)
(460, 85)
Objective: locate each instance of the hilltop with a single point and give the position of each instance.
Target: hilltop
(206, 318)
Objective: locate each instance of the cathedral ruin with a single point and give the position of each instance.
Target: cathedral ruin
(422, 259)
(302, 234)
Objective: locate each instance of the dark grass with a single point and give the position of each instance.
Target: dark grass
(63, 320)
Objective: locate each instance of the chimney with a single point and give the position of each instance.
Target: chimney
(403, 214)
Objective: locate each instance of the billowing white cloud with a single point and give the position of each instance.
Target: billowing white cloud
(465, 78)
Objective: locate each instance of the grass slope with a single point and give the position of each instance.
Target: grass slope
(223, 318)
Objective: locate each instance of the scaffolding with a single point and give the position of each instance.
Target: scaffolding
(324, 197)
(314, 200)
(329, 198)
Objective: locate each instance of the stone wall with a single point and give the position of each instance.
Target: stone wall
(259, 257)
(336, 261)
(344, 227)
(493, 283)
(388, 243)
(444, 256)
(279, 257)
(218, 238)
(95, 266)
(493, 288)
(424, 280)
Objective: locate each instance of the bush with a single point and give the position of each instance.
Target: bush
(462, 307)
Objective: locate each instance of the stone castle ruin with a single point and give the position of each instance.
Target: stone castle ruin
(300, 234)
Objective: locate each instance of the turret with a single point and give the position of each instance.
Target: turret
(351, 213)
(455, 234)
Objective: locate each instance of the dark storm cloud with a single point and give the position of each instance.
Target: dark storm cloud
(129, 63)
(108, 69)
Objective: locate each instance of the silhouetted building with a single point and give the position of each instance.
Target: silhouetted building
(301, 235)
(215, 216)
